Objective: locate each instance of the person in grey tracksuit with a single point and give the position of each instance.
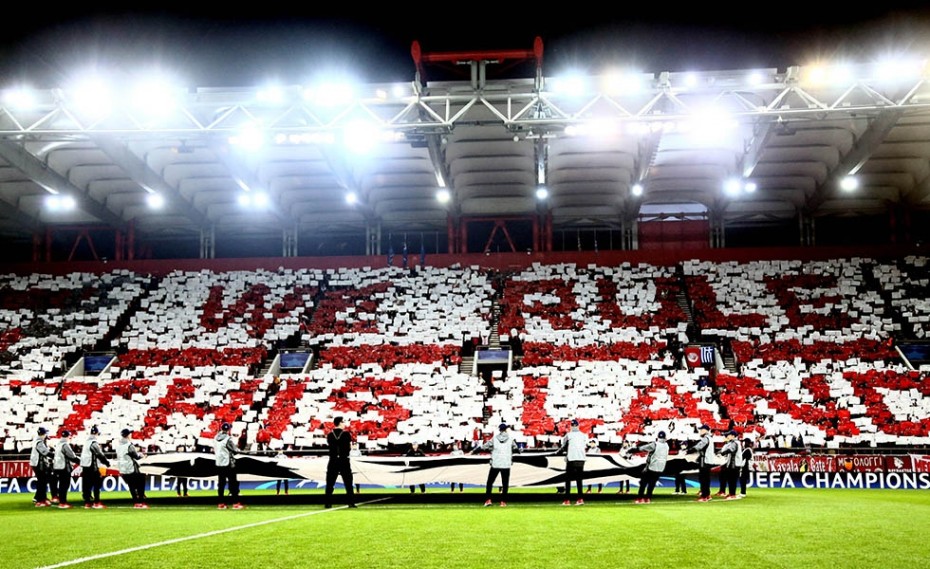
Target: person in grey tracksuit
(655, 465)
(501, 446)
(127, 457)
(91, 480)
(62, 466)
(731, 469)
(575, 445)
(40, 459)
(705, 449)
(225, 456)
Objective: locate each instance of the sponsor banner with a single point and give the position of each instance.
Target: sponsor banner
(15, 469)
(823, 480)
(920, 462)
(832, 463)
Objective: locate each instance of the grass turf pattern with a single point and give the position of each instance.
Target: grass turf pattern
(780, 528)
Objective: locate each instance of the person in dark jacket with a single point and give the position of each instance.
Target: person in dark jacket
(64, 462)
(747, 466)
(501, 446)
(40, 459)
(92, 458)
(225, 456)
(339, 465)
(655, 465)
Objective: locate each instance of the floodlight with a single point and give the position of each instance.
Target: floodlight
(443, 195)
(637, 190)
(849, 184)
(542, 193)
(351, 198)
(732, 186)
(155, 201)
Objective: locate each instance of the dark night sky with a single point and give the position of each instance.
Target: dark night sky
(247, 44)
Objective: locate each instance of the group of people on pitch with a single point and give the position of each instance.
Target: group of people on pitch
(54, 466)
(737, 455)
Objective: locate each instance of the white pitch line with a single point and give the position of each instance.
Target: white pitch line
(198, 536)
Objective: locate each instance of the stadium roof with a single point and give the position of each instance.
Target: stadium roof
(748, 145)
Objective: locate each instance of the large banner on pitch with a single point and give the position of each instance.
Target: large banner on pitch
(529, 469)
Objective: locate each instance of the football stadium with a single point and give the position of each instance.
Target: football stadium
(494, 312)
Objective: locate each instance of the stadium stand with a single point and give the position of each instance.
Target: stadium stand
(811, 347)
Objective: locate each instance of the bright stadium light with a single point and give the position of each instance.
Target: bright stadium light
(245, 200)
(20, 98)
(330, 94)
(156, 95)
(260, 200)
(849, 184)
(155, 201)
(443, 195)
(60, 203)
(637, 190)
(360, 137)
(542, 193)
(351, 198)
(732, 186)
(750, 187)
(93, 97)
(622, 83)
(691, 80)
(250, 137)
(571, 85)
(271, 94)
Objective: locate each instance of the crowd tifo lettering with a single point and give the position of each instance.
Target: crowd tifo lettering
(607, 345)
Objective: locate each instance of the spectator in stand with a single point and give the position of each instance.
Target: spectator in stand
(63, 465)
(40, 459)
(127, 460)
(415, 450)
(729, 472)
(655, 465)
(705, 449)
(263, 438)
(92, 458)
(225, 457)
(747, 466)
(243, 443)
(501, 446)
(339, 466)
(574, 444)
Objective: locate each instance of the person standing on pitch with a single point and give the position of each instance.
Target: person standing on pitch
(40, 459)
(91, 478)
(127, 457)
(225, 457)
(501, 446)
(339, 465)
(64, 459)
(747, 466)
(705, 449)
(574, 444)
(655, 465)
(731, 469)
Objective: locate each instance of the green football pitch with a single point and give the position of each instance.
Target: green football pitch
(781, 528)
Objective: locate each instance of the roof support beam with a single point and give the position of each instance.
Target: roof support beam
(148, 179)
(17, 155)
(870, 140)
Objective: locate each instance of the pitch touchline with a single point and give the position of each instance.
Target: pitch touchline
(198, 536)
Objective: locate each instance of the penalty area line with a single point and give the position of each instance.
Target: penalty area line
(199, 536)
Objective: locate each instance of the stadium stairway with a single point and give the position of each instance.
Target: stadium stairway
(106, 343)
(904, 329)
